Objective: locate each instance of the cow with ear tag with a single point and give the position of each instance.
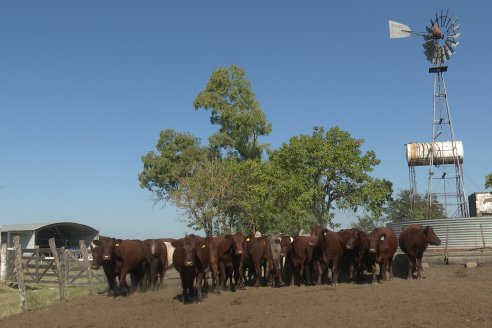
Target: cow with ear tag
(191, 258)
(382, 248)
(298, 254)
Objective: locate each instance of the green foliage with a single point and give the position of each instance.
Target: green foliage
(413, 207)
(177, 157)
(367, 223)
(324, 171)
(488, 181)
(234, 107)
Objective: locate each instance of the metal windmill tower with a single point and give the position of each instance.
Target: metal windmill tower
(444, 154)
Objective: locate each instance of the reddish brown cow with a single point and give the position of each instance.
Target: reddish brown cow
(356, 246)
(124, 256)
(328, 248)
(413, 241)
(382, 248)
(298, 255)
(156, 262)
(108, 263)
(257, 254)
(191, 258)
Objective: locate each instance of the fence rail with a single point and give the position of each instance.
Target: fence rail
(39, 267)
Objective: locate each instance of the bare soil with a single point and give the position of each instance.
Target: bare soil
(449, 296)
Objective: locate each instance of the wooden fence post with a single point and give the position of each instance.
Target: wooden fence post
(3, 263)
(19, 272)
(36, 252)
(87, 265)
(59, 268)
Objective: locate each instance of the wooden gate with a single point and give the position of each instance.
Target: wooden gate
(39, 267)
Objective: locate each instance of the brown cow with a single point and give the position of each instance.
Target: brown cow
(108, 263)
(413, 241)
(191, 258)
(257, 254)
(156, 262)
(328, 251)
(382, 248)
(356, 246)
(298, 255)
(276, 248)
(125, 256)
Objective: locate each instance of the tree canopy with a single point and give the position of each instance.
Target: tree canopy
(488, 181)
(233, 106)
(413, 207)
(229, 186)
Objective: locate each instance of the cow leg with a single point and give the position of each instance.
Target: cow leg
(122, 280)
(199, 283)
(334, 273)
(257, 274)
(373, 271)
(222, 275)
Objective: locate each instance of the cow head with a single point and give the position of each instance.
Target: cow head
(96, 256)
(238, 243)
(316, 235)
(285, 245)
(431, 237)
(104, 249)
(191, 246)
(353, 239)
(374, 240)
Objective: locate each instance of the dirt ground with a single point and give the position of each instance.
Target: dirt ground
(449, 296)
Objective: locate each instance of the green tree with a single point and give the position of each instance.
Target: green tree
(326, 170)
(176, 158)
(412, 207)
(367, 223)
(234, 108)
(488, 181)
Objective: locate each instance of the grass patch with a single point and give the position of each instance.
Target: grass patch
(37, 297)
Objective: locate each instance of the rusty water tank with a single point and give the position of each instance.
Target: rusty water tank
(419, 153)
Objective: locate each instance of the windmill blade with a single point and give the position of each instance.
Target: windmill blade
(451, 43)
(448, 49)
(428, 29)
(446, 20)
(429, 44)
(399, 30)
(442, 17)
(454, 36)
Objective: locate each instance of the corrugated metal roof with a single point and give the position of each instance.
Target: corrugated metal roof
(24, 226)
(38, 226)
(457, 233)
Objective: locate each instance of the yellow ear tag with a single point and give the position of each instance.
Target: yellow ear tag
(203, 246)
(247, 239)
(382, 237)
(117, 245)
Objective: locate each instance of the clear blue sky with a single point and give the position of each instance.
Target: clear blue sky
(86, 87)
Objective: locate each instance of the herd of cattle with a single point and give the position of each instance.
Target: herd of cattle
(275, 260)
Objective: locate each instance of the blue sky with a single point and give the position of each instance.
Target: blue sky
(86, 87)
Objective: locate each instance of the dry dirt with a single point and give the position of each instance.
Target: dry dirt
(449, 296)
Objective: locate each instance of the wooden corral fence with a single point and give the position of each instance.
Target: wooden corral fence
(40, 267)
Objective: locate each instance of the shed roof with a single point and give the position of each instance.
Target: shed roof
(38, 226)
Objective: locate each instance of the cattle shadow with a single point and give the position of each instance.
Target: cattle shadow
(400, 266)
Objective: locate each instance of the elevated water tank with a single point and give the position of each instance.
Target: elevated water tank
(419, 153)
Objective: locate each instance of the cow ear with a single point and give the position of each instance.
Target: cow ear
(291, 240)
(324, 233)
(118, 242)
(247, 239)
(96, 242)
(175, 243)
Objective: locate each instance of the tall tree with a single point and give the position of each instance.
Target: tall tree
(488, 181)
(327, 170)
(412, 207)
(177, 157)
(234, 108)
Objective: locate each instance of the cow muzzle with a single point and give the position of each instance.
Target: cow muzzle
(372, 250)
(349, 247)
(106, 257)
(239, 252)
(188, 263)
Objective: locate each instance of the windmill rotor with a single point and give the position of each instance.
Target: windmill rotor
(440, 36)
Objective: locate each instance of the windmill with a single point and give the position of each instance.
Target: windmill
(444, 154)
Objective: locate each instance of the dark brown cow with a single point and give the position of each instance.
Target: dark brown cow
(413, 241)
(298, 255)
(331, 246)
(230, 250)
(156, 262)
(108, 263)
(257, 254)
(382, 248)
(356, 246)
(191, 258)
(276, 248)
(125, 256)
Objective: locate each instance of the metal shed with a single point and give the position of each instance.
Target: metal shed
(66, 234)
